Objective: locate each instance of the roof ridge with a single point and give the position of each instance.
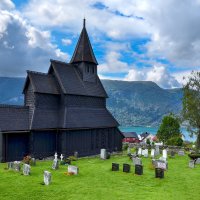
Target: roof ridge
(60, 62)
(34, 72)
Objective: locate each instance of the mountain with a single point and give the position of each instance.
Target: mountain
(141, 102)
(11, 90)
(132, 103)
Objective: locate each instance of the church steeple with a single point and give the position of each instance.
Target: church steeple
(83, 51)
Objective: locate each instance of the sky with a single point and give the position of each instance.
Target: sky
(133, 40)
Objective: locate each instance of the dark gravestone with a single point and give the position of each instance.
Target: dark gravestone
(126, 168)
(138, 169)
(10, 165)
(159, 173)
(115, 167)
(76, 154)
(108, 155)
(33, 162)
(192, 163)
(172, 153)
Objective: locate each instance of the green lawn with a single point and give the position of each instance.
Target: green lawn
(97, 181)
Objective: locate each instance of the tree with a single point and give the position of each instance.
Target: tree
(191, 105)
(169, 128)
(175, 141)
(148, 141)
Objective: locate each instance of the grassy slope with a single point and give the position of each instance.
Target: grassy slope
(97, 181)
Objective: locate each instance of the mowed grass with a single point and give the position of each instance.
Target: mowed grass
(97, 181)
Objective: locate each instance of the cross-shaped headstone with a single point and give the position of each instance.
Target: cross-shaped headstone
(56, 156)
(61, 157)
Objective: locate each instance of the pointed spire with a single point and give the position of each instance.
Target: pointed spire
(83, 51)
(84, 22)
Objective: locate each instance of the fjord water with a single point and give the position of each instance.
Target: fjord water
(153, 130)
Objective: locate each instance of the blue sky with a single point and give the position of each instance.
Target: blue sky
(135, 40)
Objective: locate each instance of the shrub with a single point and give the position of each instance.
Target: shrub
(175, 141)
(148, 141)
(194, 155)
(27, 159)
(72, 158)
(125, 147)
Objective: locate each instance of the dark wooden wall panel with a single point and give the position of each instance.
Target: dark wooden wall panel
(17, 146)
(44, 144)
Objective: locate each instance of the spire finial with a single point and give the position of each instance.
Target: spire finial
(84, 22)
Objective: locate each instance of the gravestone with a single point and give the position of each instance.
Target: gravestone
(197, 161)
(56, 156)
(126, 168)
(17, 166)
(76, 154)
(152, 153)
(47, 177)
(146, 153)
(10, 165)
(103, 154)
(61, 157)
(157, 151)
(143, 152)
(172, 153)
(164, 154)
(181, 153)
(115, 167)
(140, 151)
(33, 162)
(159, 173)
(137, 161)
(191, 164)
(73, 169)
(26, 169)
(161, 165)
(138, 169)
(55, 164)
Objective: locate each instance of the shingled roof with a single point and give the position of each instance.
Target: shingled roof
(71, 82)
(88, 118)
(83, 51)
(44, 119)
(42, 83)
(14, 118)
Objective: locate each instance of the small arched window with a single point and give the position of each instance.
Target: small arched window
(88, 69)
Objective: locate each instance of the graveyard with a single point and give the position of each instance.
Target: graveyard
(96, 180)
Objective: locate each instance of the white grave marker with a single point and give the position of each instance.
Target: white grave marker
(61, 157)
(26, 169)
(73, 169)
(140, 151)
(56, 156)
(47, 177)
(152, 153)
(103, 154)
(165, 154)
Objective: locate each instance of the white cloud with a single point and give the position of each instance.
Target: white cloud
(112, 61)
(24, 47)
(67, 14)
(157, 74)
(6, 5)
(66, 42)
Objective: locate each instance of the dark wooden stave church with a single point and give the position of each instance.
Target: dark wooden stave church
(64, 111)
